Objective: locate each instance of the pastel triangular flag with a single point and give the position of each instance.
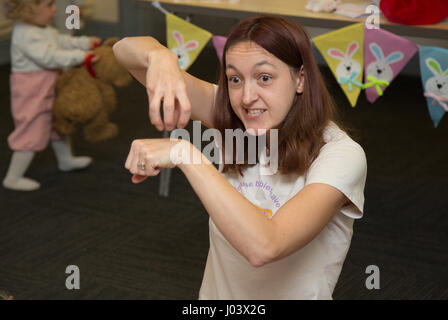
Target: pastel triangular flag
(385, 55)
(434, 75)
(219, 43)
(185, 39)
(343, 51)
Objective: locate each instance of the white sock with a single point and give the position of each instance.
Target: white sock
(66, 161)
(15, 180)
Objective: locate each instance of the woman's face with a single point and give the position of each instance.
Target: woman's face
(261, 86)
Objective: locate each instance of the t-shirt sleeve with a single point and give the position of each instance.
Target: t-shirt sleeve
(342, 164)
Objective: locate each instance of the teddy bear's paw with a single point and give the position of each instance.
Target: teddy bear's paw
(109, 131)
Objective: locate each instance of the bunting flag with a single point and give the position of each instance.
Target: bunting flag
(219, 42)
(434, 74)
(343, 50)
(185, 39)
(385, 55)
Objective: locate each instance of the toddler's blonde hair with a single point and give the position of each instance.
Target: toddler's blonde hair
(15, 9)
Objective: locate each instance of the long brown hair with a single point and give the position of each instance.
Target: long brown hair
(300, 135)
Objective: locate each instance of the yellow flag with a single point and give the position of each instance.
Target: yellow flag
(185, 39)
(343, 50)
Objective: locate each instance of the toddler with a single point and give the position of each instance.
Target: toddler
(38, 53)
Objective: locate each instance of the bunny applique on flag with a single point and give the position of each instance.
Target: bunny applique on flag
(343, 50)
(182, 49)
(185, 39)
(385, 55)
(434, 74)
(378, 72)
(348, 69)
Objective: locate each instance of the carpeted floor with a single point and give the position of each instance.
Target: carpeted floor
(129, 243)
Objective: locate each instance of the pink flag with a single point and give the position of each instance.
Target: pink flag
(219, 42)
(385, 55)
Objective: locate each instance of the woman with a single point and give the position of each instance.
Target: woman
(279, 236)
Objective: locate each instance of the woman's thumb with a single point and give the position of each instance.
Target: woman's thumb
(136, 178)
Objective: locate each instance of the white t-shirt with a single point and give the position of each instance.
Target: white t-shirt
(34, 48)
(311, 272)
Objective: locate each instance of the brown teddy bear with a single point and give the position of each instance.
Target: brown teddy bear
(85, 95)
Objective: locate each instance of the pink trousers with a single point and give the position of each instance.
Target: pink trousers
(32, 97)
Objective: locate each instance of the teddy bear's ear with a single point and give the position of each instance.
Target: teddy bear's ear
(110, 42)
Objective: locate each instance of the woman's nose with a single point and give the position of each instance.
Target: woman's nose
(249, 94)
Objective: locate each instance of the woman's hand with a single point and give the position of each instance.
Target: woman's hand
(157, 68)
(166, 86)
(149, 156)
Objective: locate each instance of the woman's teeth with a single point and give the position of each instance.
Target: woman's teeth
(255, 112)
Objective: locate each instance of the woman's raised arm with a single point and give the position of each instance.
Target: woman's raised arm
(157, 68)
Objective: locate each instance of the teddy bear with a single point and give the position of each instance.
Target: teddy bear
(85, 95)
(322, 5)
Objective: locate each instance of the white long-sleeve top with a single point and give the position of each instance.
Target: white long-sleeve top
(36, 48)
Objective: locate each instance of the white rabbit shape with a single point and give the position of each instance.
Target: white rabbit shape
(182, 49)
(348, 69)
(380, 69)
(437, 87)
(438, 84)
(322, 5)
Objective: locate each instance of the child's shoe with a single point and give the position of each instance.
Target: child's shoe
(66, 161)
(14, 179)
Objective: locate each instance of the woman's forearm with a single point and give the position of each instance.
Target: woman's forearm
(135, 52)
(241, 223)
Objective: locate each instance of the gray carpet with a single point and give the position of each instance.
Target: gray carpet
(129, 243)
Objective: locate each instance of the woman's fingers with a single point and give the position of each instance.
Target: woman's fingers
(135, 155)
(136, 178)
(185, 109)
(168, 111)
(144, 158)
(176, 109)
(176, 115)
(174, 112)
(165, 85)
(154, 111)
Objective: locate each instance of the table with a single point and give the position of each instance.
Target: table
(294, 10)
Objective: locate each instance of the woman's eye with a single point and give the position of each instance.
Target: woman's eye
(234, 79)
(265, 78)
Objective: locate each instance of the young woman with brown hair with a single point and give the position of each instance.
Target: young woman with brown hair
(277, 236)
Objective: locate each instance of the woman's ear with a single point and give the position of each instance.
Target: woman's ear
(300, 80)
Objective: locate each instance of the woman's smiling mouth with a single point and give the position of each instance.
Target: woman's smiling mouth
(253, 113)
